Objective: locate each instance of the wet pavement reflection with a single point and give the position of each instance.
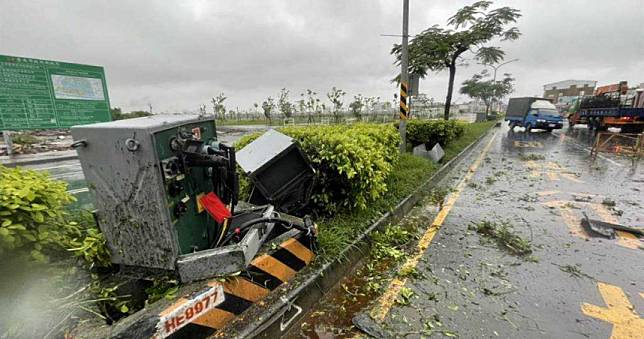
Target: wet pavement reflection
(574, 284)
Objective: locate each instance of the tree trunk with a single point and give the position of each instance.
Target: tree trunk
(450, 89)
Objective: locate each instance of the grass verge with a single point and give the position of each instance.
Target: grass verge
(472, 132)
(338, 232)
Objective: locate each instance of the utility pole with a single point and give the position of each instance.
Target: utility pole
(404, 78)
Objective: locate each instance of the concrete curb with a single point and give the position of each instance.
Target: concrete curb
(282, 309)
(34, 159)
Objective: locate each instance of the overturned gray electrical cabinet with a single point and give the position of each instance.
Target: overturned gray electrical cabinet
(146, 193)
(280, 172)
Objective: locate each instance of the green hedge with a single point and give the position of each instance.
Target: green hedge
(352, 162)
(430, 132)
(32, 216)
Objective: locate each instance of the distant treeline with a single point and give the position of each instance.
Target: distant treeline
(117, 114)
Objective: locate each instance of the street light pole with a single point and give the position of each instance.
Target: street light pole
(404, 78)
(499, 66)
(494, 77)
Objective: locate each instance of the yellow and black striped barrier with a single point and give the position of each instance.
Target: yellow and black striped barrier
(219, 302)
(404, 109)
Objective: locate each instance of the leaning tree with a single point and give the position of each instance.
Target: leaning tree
(474, 27)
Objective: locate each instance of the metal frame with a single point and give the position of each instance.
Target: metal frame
(635, 151)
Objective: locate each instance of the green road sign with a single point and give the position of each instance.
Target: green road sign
(39, 94)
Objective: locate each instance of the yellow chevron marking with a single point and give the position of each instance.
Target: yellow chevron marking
(244, 289)
(216, 318)
(274, 267)
(619, 312)
(297, 249)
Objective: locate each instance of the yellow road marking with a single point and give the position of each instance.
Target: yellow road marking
(552, 176)
(574, 223)
(554, 170)
(387, 300)
(544, 193)
(619, 312)
(570, 218)
(551, 169)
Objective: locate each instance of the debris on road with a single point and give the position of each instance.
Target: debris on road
(608, 229)
(608, 202)
(504, 236)
(532, 157)
(574, 271)
(582, 198)
(597, 227)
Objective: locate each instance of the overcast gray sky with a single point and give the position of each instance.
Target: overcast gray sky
(178, 54)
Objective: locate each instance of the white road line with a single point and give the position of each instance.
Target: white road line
(587, 149)
(78, 190)
(599, 155)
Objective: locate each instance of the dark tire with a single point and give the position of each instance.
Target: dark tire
(549, 130)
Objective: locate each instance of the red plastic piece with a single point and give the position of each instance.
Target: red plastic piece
(215, 207)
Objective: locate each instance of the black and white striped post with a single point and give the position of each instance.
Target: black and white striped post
(404, 78)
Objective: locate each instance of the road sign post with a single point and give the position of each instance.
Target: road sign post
(44, 94)
(8, 142)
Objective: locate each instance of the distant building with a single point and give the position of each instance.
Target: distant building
(473, 106)
(561, 92)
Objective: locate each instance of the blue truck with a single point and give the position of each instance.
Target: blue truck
(533, 113)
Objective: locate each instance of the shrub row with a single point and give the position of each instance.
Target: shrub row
(352, 162)
(34, 219)
(430, 132)
(32, 216)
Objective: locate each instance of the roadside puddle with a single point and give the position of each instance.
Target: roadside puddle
(332, 318)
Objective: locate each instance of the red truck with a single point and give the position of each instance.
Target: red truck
(613, 105)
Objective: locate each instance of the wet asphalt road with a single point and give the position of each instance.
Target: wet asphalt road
(573, 286)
